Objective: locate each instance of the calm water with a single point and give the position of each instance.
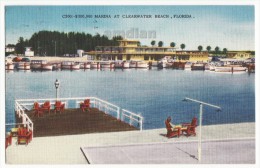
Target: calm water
(155, 94)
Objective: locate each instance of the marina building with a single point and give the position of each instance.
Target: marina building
(239, 54)
(131, 50)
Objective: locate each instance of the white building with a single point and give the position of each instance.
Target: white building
(28, 52)
(9, 49)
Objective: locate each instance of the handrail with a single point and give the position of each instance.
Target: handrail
(133, 117)
(25, 119)
(102, 105)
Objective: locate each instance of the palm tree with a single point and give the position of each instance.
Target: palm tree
(224, 50)
(183, 46)
(172, 44)
(217, 50)
(160, 44)
(200, 48)
(153, 43)
(208, 48)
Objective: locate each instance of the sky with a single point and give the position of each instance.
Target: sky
(230, 27)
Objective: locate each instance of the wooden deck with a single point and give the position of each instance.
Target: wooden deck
(74, 121)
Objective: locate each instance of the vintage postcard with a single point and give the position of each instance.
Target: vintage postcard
(100, 83)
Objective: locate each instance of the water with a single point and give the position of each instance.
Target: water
(155, 94)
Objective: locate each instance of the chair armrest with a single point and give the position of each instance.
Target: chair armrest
(186, 124)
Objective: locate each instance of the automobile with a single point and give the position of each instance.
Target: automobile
(25, 59)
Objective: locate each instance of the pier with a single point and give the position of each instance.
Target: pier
(101, 116)
(74, 121)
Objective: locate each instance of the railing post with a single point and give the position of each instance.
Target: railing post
(141, 124)
(130, 119)
(118, 113)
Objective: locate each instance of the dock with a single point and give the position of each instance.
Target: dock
(74, 121)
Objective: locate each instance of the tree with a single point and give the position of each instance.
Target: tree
(216, 50)
(208, 48)
(172, 44)
(183, 46)
(153, 43)
(200, 48)
(160, 44)
(20, 46)
(224, 50)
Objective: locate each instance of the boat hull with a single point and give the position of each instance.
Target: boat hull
(9, 66)
(230, 69)
(94, 65)
(24, 66)
(47, 67)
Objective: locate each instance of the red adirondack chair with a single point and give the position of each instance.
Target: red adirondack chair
(172, 132)
(24, 136)
(37, 109)
(59, 107)
(85, 105)
(46, 106)
(190, 128)
(8, 140)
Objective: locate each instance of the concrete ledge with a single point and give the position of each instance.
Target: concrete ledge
(66, 149)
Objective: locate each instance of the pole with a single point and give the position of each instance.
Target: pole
(200, 120)
(56, 94)
(200, 133)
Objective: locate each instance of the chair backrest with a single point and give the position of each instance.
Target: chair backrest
(36, 105)
(47, 103)
(58, 103)
(168, 125)
(86, 101)
(194, 122)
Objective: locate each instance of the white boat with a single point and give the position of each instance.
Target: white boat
(107, 64)
(24, 66)
(133, 64)
(47, 67)
(37, 64)
(230, 69)
(125, 64)
(206, 67)
(138, 64)
(94, 65)
(71, 65)
(197, 66)
(142, 64)
(188, 65)
(84, 65)
(9, 66)
(121, 64)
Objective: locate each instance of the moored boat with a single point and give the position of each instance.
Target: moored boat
(230, 69)
(95, 65)
(107, 64)
(138, 64)
(197, 66)
(84, 65)
(9, 66)
(71, 65)
(187, 66)
(37, 64)
(23, 66)
(47, 67)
